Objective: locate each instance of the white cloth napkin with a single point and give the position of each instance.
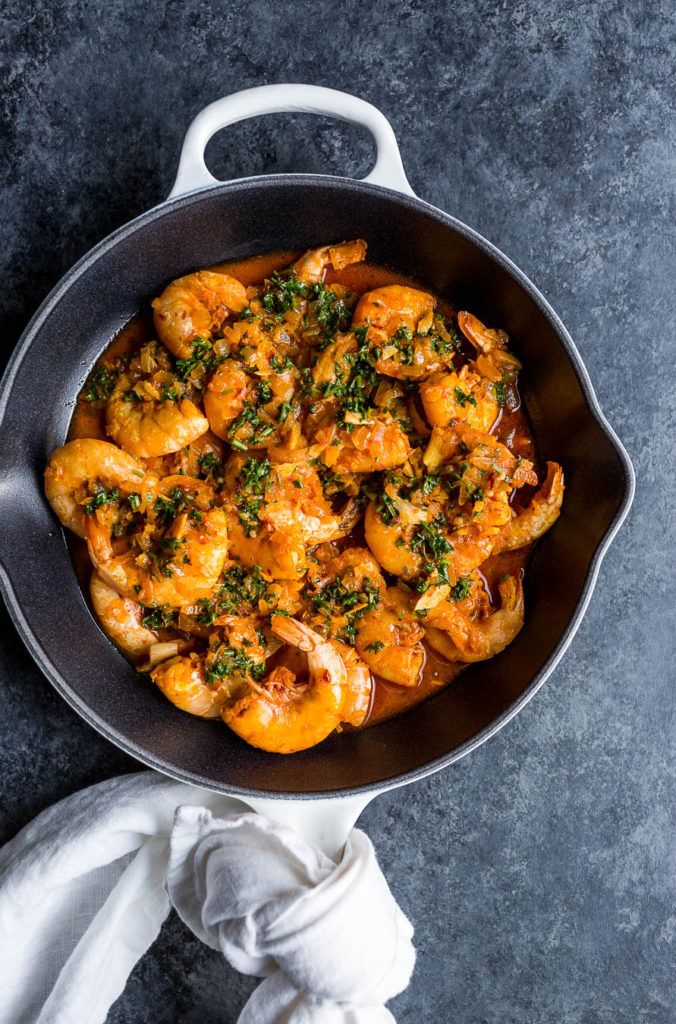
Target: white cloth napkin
(85, 887)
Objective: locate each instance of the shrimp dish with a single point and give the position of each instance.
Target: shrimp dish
(301, 492)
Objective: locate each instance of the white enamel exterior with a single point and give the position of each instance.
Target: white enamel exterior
(193, 174)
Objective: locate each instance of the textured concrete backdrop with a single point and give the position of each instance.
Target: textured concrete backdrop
(537, 871)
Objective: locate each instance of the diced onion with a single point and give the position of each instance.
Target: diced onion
(161, 651)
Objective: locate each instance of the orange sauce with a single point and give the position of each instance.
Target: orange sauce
(511, 428)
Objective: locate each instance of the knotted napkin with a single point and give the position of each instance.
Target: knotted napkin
(85, 887)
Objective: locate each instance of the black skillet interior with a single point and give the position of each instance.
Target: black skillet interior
(241, 219)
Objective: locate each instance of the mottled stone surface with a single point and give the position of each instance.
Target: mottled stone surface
(537, 870)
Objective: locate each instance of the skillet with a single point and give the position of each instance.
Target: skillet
(204, 222)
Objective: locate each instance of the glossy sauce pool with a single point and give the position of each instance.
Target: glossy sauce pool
(512, 428)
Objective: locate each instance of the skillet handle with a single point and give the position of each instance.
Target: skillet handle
(323, 823)
(193, 174)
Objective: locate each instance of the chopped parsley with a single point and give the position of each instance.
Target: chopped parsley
(248, 512)
(284, 410)
(238, 588)
(375, 647)
(99, 499)
(386, 509)
(429, 540)
(170, 393)
(228, 661)
(464, 398)
(500, 391)
(461, 589)
(159, 616)
(210, 466)
(429, 483)
(263, 393)
(335, 600)
(259, 429)
(202, 358)
(101, 384)
(168, 507)
(282, 291)
(254, 475)
(281, 365)
(403, 341)
(330, 312)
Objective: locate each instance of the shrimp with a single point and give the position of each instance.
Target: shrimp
(152, 427)
(371, 445)
(476, 461)
(274, 510)
(386, 310)
(389, 640)
(281, 554)
(201, 683)
(462, 397)
(182, 680)
(283, 715)
(250, 411)
(226, 395)
(120, 618)
(202, 458)
(445, 524)
(483, 338)
(459, 636)
(83, 474)
(196, 306)
(390, 541)
(405, 336)
(312, 266)
(176, 558)
(341, 589)
(540, 515)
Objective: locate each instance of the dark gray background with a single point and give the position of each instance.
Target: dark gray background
(537, 871)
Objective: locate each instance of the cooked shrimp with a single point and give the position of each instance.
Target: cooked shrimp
(152, 427)
(389, 640)
(540, 515)
(120, 618)
(276, 510)
(371, 445)
(462, 397)
(82, 469)
(354, 567)
(202, 458)
(406, 338)
(196, 306)
(283, 715)
(389, 309)
(476, 461)
(176, 558)
(249, 410)
(459, 636)
(359, 688)
(227, 394)
(389, 540)
(183, 681)
(481, 337)
(312, 266)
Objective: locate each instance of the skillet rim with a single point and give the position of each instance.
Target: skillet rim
(166, 208)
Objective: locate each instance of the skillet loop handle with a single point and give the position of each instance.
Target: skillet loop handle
(193, 174)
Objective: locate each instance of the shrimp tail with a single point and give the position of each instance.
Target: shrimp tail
(295, 633)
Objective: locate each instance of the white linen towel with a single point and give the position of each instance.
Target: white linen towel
(85, 887)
